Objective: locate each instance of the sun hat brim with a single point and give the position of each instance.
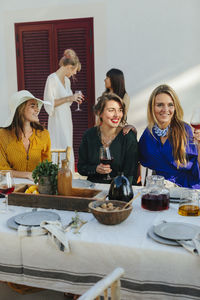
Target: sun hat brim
(17, 99)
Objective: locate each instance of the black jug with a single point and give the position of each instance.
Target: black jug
(120, 189)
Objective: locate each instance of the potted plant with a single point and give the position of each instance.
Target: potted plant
(45, 174)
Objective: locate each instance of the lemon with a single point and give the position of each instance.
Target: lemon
(32, 189)
(36, 192)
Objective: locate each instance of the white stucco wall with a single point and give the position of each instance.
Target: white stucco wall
(152, 41)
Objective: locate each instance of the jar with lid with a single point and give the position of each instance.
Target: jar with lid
(155, 196)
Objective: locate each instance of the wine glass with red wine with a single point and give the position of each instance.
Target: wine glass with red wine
(106, 158)
(6, 187)
(195, 119)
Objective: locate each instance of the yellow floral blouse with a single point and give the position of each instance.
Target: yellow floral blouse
(13, 155)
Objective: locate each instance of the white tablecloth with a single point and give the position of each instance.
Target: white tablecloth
(152, 270)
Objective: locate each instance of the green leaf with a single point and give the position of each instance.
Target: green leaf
(46, 168)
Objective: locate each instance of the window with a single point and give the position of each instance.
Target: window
(39, 46)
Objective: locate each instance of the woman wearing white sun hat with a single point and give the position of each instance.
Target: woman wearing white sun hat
(23, 141)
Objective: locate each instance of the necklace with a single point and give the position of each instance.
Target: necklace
(106, 140)
(161, 132)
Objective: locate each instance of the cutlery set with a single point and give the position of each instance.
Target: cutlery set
(73, 224)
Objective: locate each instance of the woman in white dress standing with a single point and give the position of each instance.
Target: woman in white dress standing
(58, 92)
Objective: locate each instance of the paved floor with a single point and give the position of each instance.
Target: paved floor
(6, 293)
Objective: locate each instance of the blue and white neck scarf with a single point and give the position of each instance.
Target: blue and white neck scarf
(161, 132)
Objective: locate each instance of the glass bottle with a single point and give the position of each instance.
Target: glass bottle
(155, 196)
(64, 179)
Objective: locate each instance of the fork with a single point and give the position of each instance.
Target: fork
(68, 226)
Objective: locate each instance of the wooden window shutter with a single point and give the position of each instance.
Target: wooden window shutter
(39, 46)
(33, 60)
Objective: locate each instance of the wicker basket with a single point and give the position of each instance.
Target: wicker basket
(112, 217)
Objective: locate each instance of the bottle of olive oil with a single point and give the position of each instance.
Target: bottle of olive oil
(65, 176)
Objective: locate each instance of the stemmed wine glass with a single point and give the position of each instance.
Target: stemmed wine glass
(79, 96)
(106, 158)
(6, 187)
(195, 119)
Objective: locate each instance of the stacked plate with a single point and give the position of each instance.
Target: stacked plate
(33, 218)
(169, 233)
(82, 183)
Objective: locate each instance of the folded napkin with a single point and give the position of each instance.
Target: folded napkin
(55, 232)
(192, 246)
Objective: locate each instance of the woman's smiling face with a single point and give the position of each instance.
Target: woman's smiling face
(31, 111)
(112, 114)
(164, 109)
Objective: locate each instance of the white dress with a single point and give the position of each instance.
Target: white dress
(60, 118)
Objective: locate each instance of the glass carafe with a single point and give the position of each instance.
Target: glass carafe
(120, 189)
(155, 196)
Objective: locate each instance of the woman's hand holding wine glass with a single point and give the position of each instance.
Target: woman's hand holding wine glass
(105, 162)
(195, 123)
(6, 187)
(79, 99)
(197, 137)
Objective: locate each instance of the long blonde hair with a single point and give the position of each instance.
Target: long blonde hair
(177, 134)
(70, 58)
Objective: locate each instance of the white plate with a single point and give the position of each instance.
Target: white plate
(176, 230)
(12, 224)
(81, 183)
(161, 240)
(175, 200)
(175, 192)
(34, 218)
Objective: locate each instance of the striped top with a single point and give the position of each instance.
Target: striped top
(13, 155)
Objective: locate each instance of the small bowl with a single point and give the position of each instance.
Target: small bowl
(110, 217)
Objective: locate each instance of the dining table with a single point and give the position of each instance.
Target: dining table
(153, 270)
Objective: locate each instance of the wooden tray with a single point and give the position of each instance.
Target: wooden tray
(78, 201)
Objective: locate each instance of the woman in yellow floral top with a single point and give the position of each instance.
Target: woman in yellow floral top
(23, 141)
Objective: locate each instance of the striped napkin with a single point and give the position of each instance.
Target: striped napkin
(53, 229)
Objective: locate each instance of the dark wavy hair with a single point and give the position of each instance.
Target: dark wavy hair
(117, 82)
(101, 103)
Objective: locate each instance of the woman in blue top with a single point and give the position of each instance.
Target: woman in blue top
(167, 144)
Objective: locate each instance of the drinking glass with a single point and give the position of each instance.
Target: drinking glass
(195, 119)
(189, 203)
(78, 104)
(6, 187)
(106, 158)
